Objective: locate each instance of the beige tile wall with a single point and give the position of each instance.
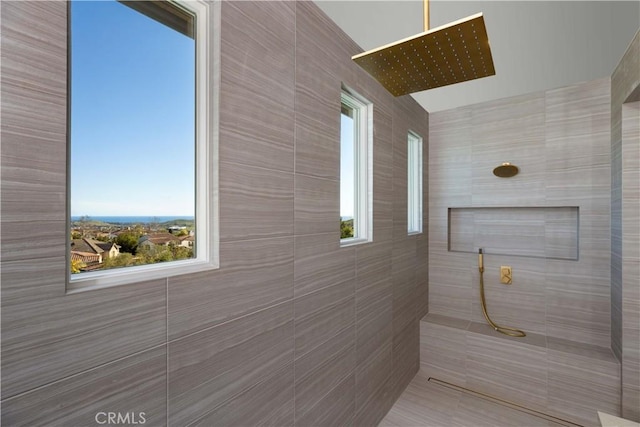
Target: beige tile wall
(291, 328)
(625, 225)
(560, 141)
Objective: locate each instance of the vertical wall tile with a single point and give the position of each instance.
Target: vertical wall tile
(255, 203)
(322, 369)
(267, 403)
(509, 130)
(582, 380)
(318, 85)
(383, 171)
(404, 284)
(374, 316)
(321, 315)
(335, 408)
(451, 283)
(499, 367)
(254, 274)
(443, 348)
(406, 357)
(317, 205)
(134, 387)
(208, 368)
(372, 379)
(320, 262)
(41, 341)
(258, 96)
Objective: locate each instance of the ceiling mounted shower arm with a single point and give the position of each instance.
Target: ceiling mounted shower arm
(425, 12)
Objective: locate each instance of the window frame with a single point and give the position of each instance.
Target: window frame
(414, 183)
(363, 173)
(207, 82)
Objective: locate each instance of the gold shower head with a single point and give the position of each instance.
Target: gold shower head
(506, 170)
(445, 55)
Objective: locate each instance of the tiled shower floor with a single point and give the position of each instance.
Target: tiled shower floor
(428, 404)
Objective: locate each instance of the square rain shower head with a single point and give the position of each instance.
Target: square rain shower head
(445, 55)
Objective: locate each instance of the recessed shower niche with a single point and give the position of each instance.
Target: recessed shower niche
(537, 231)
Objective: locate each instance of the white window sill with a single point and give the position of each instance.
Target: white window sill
(81, 282)
(353, 241)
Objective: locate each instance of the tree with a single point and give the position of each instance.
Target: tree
(346, 229)
(123, 260)
(77, 265)
(128, 241)
(181, 252)
(182, 232)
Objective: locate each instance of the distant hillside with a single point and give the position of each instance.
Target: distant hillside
(89, 223)
(180, 222)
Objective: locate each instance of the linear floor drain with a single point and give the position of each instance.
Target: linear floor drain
(506, 403)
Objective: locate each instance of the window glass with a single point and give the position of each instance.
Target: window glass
(132, 134)
(355, 169)
(414, 183)
(347, 173)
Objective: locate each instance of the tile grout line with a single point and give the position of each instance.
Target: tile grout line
(100, 366)
(227, 321)
(295, 139)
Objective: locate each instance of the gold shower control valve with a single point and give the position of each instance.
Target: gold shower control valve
(505, 274)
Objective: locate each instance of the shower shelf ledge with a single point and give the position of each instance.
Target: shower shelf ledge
(549, 232)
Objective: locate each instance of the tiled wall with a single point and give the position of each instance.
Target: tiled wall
(566, 379)
(625, 236)
(291, 328)
(560, 140)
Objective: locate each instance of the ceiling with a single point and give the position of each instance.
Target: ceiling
(536, 45)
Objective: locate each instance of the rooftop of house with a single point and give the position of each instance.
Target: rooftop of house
(160, 238)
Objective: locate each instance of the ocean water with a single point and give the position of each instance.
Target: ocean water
(133, 219)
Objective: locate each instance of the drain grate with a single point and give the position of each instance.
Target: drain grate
(505, 403)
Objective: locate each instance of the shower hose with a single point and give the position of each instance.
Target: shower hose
(512, 332)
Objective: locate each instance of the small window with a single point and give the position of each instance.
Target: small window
(414, 183)
(139, 135)
(355, 169)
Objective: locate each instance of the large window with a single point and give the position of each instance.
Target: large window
(355, 169)
(140, 167)
(414, 183)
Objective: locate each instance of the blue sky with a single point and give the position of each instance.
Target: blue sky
(132, 134)
(346, 166)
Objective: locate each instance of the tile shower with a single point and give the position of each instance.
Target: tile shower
(558, 225)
